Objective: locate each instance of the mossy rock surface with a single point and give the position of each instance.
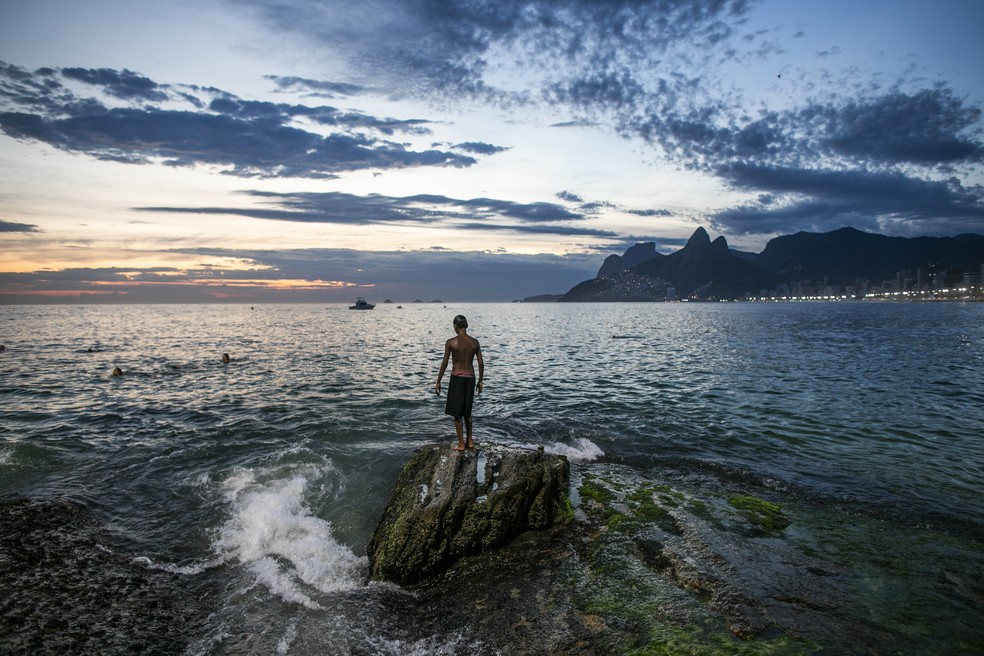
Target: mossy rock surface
(448, 504)
(764, 514)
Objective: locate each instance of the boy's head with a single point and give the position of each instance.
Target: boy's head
(460, 322)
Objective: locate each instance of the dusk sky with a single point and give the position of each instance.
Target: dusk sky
(314, 150)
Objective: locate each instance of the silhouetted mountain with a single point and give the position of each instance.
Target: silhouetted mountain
(847, 255)
(705, 269)
(633, 257)
(701, 269)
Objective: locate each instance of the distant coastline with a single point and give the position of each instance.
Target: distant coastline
(846, 264)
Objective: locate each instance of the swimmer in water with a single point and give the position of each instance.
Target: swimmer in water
(225, 358)
(117, 372)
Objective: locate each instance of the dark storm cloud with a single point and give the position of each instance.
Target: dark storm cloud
(929, 128)
(315, 87)
(124, 84)
(823, 200)
(650, 69)
(13, 226)
(281, 114)
(447, 45)
(660, 212)
(889, 163)
(663, 244)
(247, 138)
(480, 148)
(566, 231)
(350, 209)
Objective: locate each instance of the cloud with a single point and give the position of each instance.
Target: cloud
(246, 138)
(480, 148)
(12, 226)
(653, 71)
(930, 127)
(318, 88)
(447, 275)
(429, 209)
(325, 275)
(822, 200)
(456, 46)
(660, 212)
(125, 85)
(899, 163)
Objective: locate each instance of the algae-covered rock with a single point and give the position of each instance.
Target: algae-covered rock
(764, 514)
(448, 504)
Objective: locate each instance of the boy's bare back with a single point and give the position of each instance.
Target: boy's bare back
(463, 349)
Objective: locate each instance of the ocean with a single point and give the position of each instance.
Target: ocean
(192, 506)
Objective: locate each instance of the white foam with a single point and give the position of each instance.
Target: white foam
(188, 570)
(289, 636)
(429, 646)
(582, 449)
(273, 533)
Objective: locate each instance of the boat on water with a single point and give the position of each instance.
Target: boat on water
(362, 304)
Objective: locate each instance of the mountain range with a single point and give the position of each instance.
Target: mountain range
(705, 269)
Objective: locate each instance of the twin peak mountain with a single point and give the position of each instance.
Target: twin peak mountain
(708, 270)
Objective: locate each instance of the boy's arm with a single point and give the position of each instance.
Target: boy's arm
(481, 366)
(444, 365)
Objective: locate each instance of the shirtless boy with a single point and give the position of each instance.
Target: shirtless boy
(463, 350)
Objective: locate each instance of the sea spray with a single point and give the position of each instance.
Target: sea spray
(581, 449)
(273, 533)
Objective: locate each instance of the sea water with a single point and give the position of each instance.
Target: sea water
(248, 490)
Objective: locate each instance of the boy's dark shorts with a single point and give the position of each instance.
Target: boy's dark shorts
(461, 395)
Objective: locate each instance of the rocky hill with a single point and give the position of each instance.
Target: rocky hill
(709, 270)
(702, 269)
(846, 255)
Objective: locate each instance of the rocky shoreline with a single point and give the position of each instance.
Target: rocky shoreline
(642, 567)
(609, 562)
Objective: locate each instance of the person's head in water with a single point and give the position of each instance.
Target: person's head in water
(460, 322)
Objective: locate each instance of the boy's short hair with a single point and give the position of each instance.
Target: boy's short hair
(460, 321)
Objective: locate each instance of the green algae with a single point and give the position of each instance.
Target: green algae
(624, 585)
(916, 586)
(764, 514)
(911, 589)
(597, 493)
(568, 511)
(694, 641)
(644, 505)
(648, 614)
(699, 509)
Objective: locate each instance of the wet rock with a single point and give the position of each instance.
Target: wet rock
(450, 504)
(68, 589)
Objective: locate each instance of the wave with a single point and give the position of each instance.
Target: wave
(274, 534)
(582, 449)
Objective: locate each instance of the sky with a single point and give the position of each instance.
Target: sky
(317, 150)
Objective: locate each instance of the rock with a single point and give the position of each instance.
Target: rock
(449, 504)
